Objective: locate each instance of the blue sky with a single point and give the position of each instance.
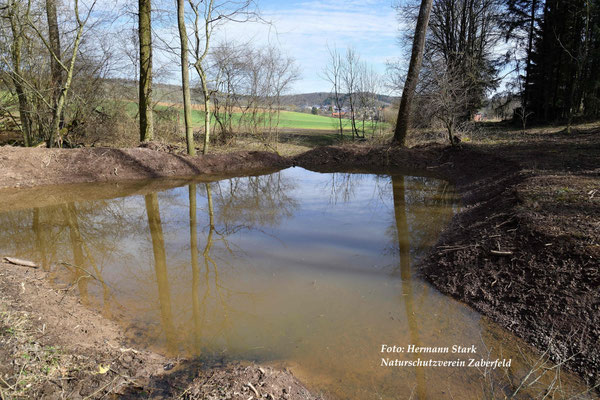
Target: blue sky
(304, 29)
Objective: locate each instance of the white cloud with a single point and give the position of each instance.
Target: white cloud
(305, 30)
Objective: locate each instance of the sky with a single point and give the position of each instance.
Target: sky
(304, 30)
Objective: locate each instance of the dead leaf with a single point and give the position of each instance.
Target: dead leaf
(103, 369)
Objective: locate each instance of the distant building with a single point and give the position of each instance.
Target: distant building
(336, 112)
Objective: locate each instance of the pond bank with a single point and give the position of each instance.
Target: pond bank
(52, 346)
(523, 251)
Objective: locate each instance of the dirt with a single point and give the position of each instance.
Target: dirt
(27, 167)
(524, 250)
(53, 347)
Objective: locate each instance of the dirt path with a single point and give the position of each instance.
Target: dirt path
(524, 250)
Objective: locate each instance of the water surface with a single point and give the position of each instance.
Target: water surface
(302, 270)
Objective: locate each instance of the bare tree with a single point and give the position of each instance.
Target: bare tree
(67, 68)
(333, 74)
(185, 78)
(447, 94)
(208, 16)
(367, 96)
(350, 79)
(228, 72)
(14, 9)
(145, 84)
(412, 77)
(281, 72)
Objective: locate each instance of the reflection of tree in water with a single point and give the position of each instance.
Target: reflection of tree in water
(160, 267)
(253, 202)
(429, 210)
(196, 307)
(40, 239)
(79, 275)
(61, 242)
(430, 202)
(342, 186)
(407, 297)
(232, 205)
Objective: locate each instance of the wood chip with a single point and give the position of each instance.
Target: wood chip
(23, 263)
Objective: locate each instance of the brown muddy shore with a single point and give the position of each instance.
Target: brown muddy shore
(524, 251)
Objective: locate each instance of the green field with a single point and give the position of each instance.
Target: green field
(287, 120)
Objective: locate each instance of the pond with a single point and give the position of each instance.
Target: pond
(307, 271)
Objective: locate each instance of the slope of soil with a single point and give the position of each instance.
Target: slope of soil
(26, 167)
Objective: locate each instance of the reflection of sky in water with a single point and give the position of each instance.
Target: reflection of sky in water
(303, 268)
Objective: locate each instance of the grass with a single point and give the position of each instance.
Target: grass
(287, 119)
(33, 364)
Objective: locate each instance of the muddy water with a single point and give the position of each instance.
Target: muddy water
(308, 271)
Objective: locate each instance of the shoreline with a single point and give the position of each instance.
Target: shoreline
(507, 221)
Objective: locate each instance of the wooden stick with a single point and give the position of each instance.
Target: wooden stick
(23, 263)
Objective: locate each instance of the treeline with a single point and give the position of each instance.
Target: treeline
(545, 52)
(59, 58)
(562, 65)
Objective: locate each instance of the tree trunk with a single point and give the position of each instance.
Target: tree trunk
(17, 78)
(531, 34)
(56, 69)
(412, 77)
(185, 78)
(54, 42)
(145, 85)
(206, 94)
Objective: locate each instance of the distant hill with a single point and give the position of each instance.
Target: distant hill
(168, 93)
(323, 99)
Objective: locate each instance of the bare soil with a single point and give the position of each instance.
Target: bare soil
(26, 167)
(524, 250)
(53, 347)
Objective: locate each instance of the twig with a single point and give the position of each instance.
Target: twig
(253, 389)
(501, 253)
(102, 388)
